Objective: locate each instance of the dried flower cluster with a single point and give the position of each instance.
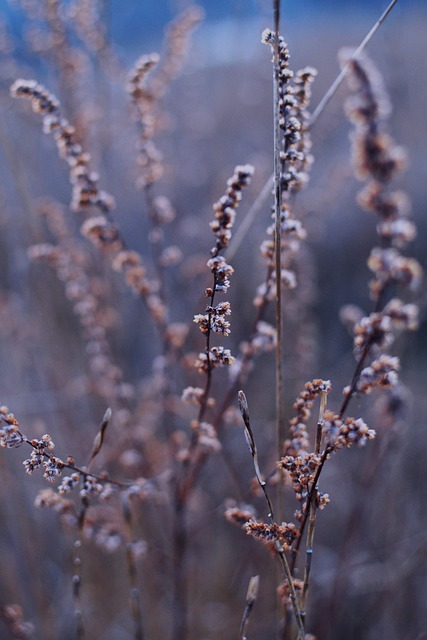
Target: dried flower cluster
(176, 47)
(144, 102)
(379, 328)
(87, 18)
(295, 160)
(240, 515)
(100, 229)
(214, 318)
(285, 534)
(102, 524)
(146, 90)
(378, 160)
(301, 469)
(42, 457)
(340, 433)
(299, 443)
(86, 192)
(10, 436)
(244, 516)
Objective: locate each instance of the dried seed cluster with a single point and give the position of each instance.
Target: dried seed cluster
(215, 317)
(285, 534)
(144, 101)
(299, 443)
(294, 99)
(379, 328)
(10, 436)
(301, 469)
(41, 457)
(340, 433)
(86, 192)
(378, 160)
(146, 90)
(241, 515)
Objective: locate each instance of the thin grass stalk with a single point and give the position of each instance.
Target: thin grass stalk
(77, 575)
(280, 420)
(339, 79)
(313, 511)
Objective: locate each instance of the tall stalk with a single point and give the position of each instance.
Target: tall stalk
(280, 421)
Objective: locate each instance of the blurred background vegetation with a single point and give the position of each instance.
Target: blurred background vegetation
(369, 573)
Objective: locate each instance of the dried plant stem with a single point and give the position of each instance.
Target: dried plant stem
(134, 592)
(313, 511)
(184, 484)
(310, 496)
(156, 244)
(205, 397)
(179, 579)
(77, 574)
(155, 240)
(250, 601)
(211, 321)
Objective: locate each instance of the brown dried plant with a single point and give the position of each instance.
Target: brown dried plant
(148, 488)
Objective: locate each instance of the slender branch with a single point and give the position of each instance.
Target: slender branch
(339, 79)
(244, 410)
(278, 234)
(313, 510)
(251, 596)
